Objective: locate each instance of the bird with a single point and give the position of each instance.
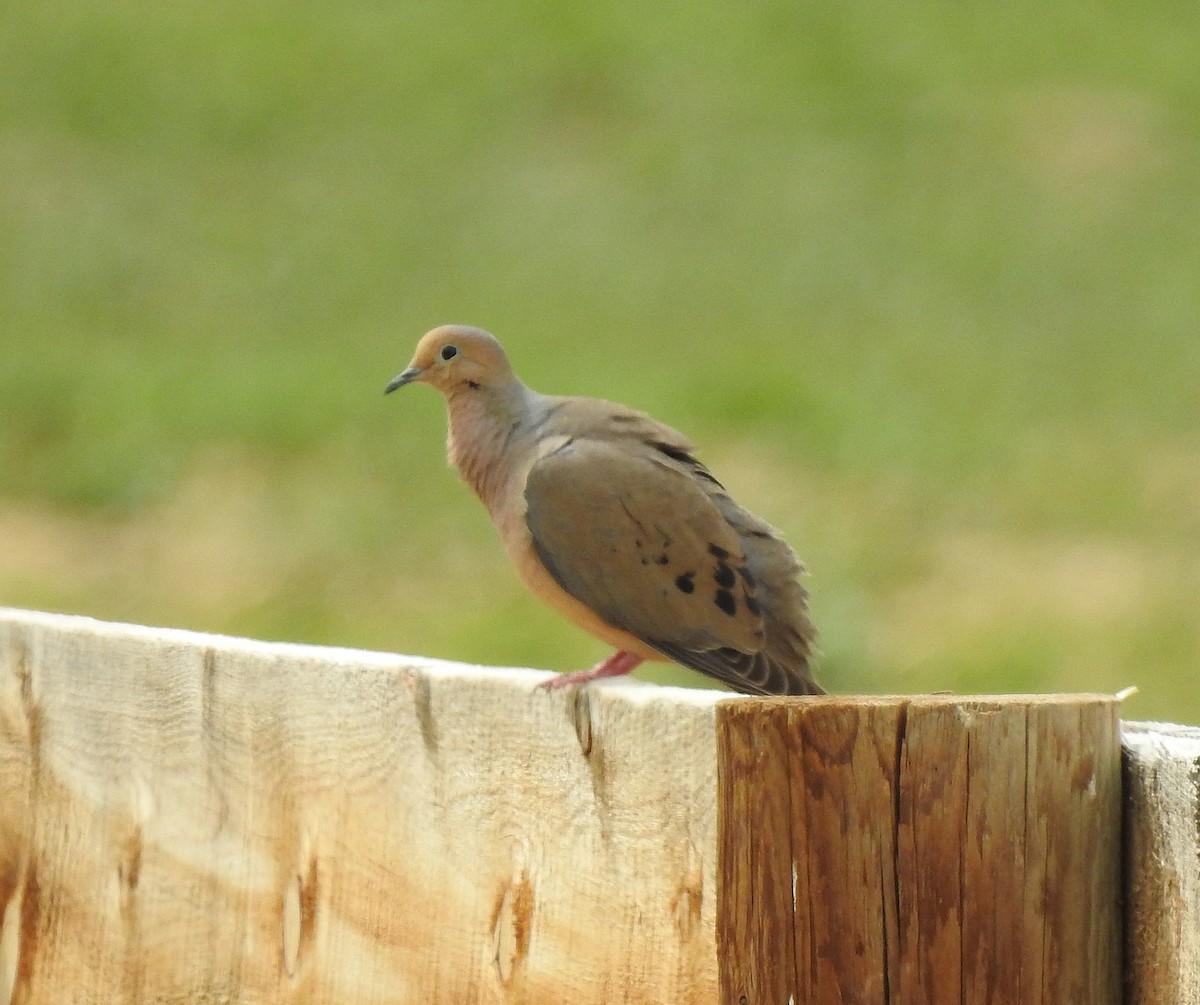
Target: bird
(608, 516)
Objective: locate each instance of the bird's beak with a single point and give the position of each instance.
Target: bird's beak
(406, 377)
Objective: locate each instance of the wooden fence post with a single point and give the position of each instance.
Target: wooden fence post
(1162, 863)
(919, 850)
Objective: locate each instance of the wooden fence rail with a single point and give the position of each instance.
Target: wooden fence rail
(190, 818)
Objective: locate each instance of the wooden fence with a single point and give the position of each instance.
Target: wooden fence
(190, 818)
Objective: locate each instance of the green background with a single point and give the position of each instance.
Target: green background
(922, 280)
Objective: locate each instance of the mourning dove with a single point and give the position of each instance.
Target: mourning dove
(610, 519)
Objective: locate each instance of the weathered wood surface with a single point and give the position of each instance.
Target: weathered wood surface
(1162, 863)
(926, 850)
(187, 818)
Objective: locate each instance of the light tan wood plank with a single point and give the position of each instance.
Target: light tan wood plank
(189, 818)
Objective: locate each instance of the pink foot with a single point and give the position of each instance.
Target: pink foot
(615, 666)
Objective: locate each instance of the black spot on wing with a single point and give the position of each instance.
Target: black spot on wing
(724, 576)
(686, 583)
(724, 600)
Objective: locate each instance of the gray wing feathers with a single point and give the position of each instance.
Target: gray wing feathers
(642, 534)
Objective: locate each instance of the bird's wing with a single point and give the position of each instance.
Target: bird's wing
(636, 531)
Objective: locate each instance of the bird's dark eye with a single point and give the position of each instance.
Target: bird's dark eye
(449, 351)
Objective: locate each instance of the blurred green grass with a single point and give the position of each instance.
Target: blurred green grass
(922, 281)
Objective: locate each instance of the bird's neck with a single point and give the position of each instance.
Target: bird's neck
(488, 427)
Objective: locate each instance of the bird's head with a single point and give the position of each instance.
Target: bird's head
(453, 358)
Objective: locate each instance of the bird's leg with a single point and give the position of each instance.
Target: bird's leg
(615, 666)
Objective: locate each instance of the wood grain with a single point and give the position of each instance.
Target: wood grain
(186, 818)
(1162, 863)
(944, 850)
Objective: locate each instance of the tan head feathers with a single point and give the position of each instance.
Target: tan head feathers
(453, 355)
